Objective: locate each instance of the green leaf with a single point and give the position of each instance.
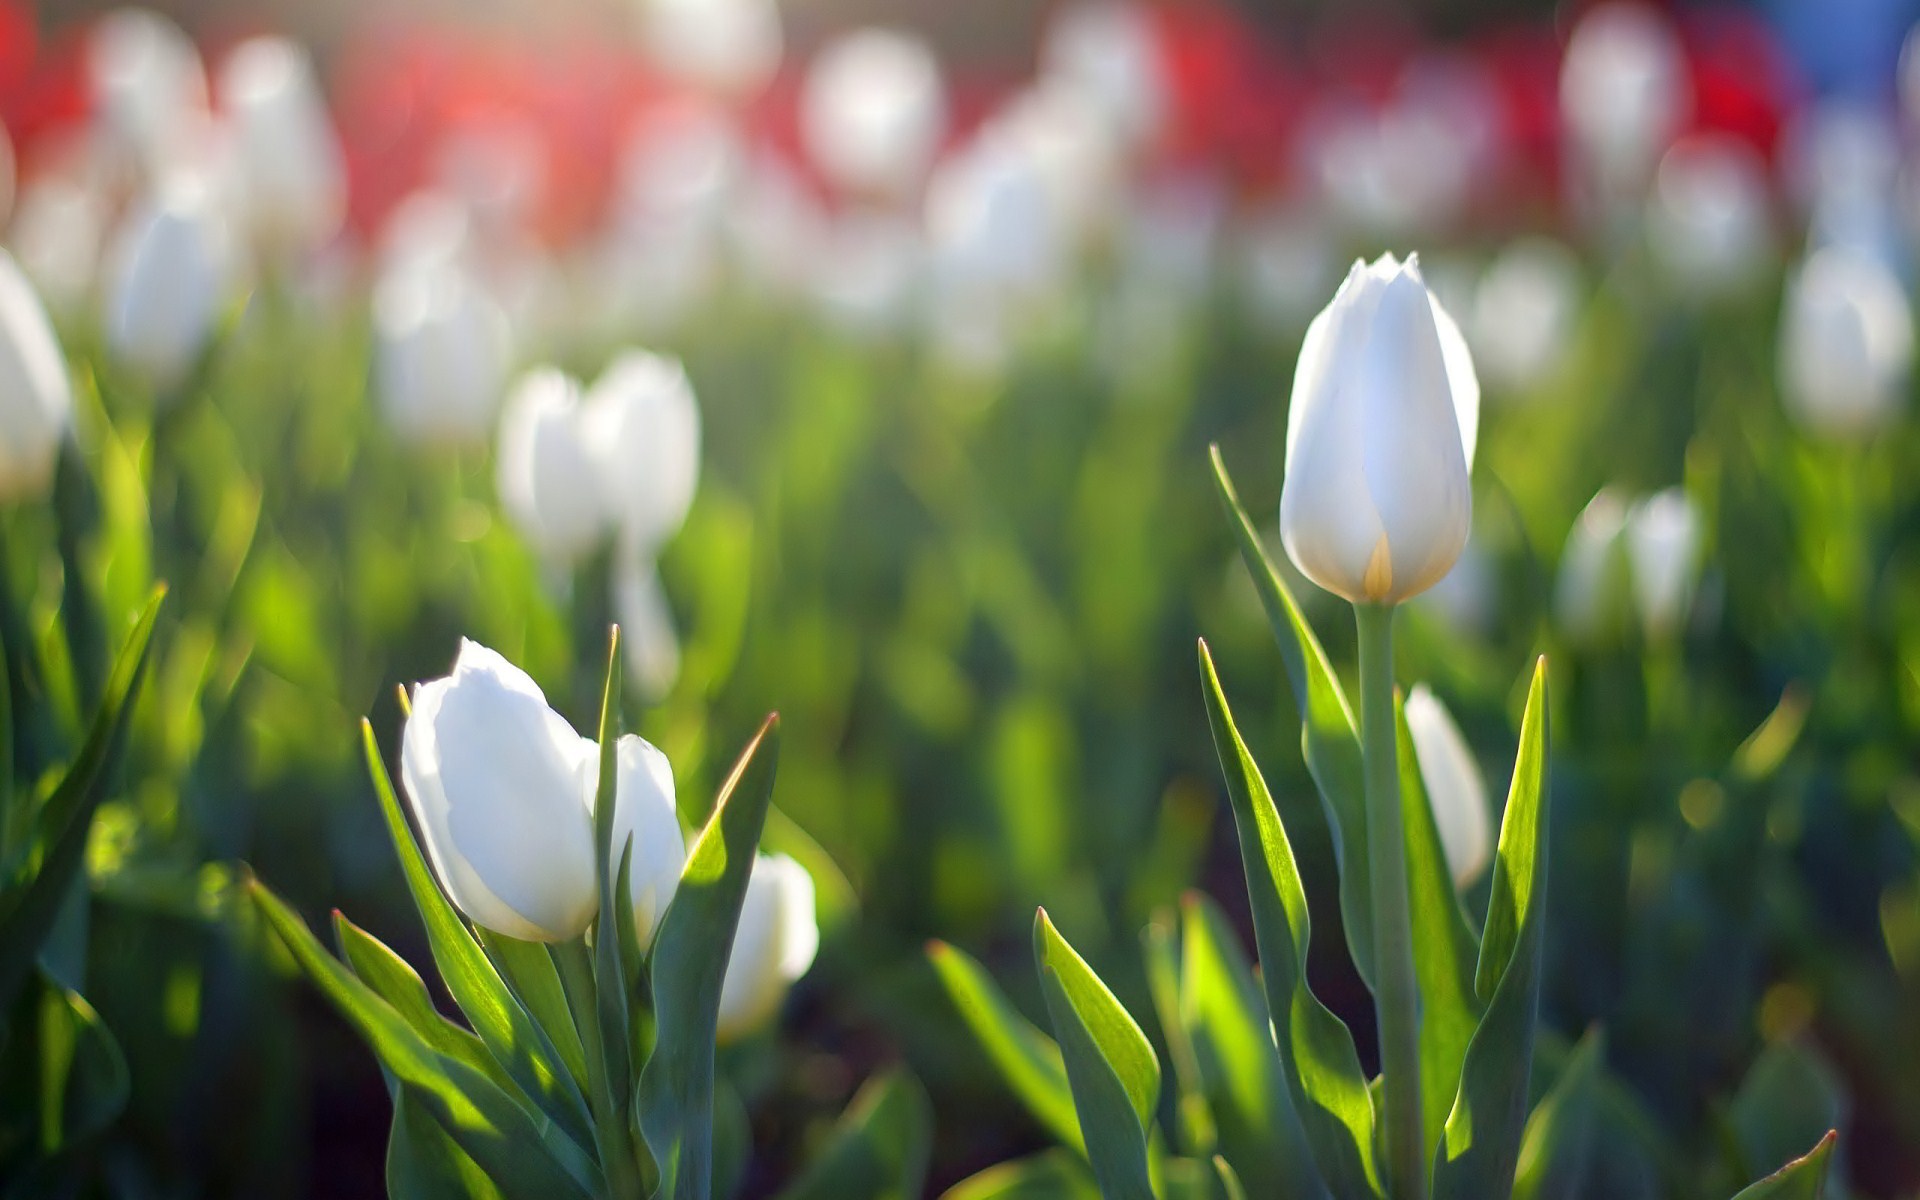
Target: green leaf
(425, 1162)
(1049, 1175)
(1111, 1067)
(394, 981)
(1558, 1146)
(1802, 1179)
(503, 1026)
(527, 967)
(1230, 1186)
(1027, 1059)
(1317, 1056)
(610, 981)
(522, 1151)
(1226, 1020)
(879, 1148)
(1481, 1145)
(1790, 1096)
(83, 1075)
(1194, 1132)
(1443, 946)
(32, 899)
(690, 950)
(1329, 738)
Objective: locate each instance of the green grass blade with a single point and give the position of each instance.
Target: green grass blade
(1481, 1145)
(1111, 1067)
(392, 979)
(879, 1149)
(1802, 1179)
(1318, 1060)
(1329, 737)
(1027, 1059)
(1049, 1175)
(1558, 1147)
(690, 951)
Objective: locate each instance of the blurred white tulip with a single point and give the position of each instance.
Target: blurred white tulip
(1710, 219)
(1836, 146)
(429, 229)
(36, 397)
(1377, 499)
(1624, 93)
(872, 111)
(1057, 129)
(1456, 790)
(547, 477)
(290, 168)
(1401, 172)
(993, 230)
(1524, 313)
(643, 811)
(1109, 50)
(441, 352)
(502, 789)
(643, 429)
(773, 945)
(1591, 591)
(730, 47)
(649, 640)
(1285, 262)
(1170, 233)
(58, 231)
(1466, 599)
(774, 230)
(170, 275)
(149, 92)
(1663, 537)
(869, 275)
(1846, 344)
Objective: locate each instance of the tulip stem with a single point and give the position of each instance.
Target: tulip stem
(1396, 998)
(613, 1137)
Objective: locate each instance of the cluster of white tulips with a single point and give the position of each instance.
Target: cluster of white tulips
(503, 791)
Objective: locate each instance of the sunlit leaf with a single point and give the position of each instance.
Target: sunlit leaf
(1802, 1179)
(1561, 1133)
(1027, 1059)
(1050, 1175)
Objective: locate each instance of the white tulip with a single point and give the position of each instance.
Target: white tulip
(36, 398)
(872, 111)
(773, 945)
(1377, 500)
(1710, 220)
(546, 474)
(1456, 791)
(728, 46)
(441, 352)
(1663, 547)
(170, 276)
(291, 170)
(1110, 51)
(1286, 263)
(868, 276)
(643, 810)
(1846, 344)
(1524, 312)
(150, 90)
(774, 230)
(1623, 90)
(992, 227)
(1591, 589)
(502, 788)
(649, 641)
(643, 429)
(58, 231)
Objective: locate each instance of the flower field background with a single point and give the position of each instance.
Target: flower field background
(876, 386)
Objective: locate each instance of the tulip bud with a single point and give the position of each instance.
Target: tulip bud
(1524, 312)
(649, 643)
(873, 110)
(643, 428)
(644, 812)
(1710, 221)
(149, 91)
(1591, 590)
(289, 161)
(170, 275)
(546, 473)
(1846, 344)
(57, 233)
(1623, 90)
(1377, 500)
(441, 351)
(502, 788)
(773, 945)
(1455, 789)
(1110, 51)
(503, 791)
(731, 47)
(36, 399)
(1663, 547)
